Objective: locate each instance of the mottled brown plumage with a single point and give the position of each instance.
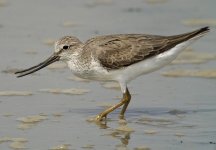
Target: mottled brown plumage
(122, 50)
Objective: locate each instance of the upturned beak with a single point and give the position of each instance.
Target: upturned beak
(33, 69)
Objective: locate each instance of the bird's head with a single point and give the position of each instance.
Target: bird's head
(65, 49)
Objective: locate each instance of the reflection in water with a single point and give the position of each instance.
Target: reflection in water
(160, 121)
(122, 136)
(125, 139)
(122, 133)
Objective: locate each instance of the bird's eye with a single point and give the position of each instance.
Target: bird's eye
(65, 47)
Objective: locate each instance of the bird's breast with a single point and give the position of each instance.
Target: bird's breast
(89, 70)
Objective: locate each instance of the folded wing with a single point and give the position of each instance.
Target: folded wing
(118, 51)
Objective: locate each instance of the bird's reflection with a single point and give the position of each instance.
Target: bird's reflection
(123, 136)
(122, 133)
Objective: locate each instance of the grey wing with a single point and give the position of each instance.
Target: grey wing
(114, 52)
(118, 51)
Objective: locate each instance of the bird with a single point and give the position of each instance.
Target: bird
(118, 57)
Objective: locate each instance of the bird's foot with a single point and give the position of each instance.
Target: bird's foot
(100, 117)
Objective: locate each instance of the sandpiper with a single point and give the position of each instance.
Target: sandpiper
(120, 58)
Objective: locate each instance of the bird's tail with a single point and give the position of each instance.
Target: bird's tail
(190, 35)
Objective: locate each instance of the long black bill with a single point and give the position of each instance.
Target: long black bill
(33, 69)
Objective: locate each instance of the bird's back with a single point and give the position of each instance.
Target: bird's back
(121, 50)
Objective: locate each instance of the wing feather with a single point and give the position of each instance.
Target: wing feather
(118, 51)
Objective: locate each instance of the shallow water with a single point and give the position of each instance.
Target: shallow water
(165, 112)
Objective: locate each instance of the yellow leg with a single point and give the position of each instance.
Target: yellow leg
(125, 100)
(121, 116)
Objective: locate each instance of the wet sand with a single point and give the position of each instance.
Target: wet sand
(51, 109)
